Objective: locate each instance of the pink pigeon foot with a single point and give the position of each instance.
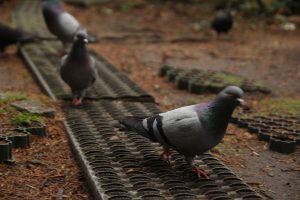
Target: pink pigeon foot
(77, 101)
(166, 155)
(200, 172)
(61, 53)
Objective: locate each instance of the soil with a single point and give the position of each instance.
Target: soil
(46, 170)
(139, 40)
(138, 37)
(48, 166)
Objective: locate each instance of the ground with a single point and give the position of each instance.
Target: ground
(137, 38)
(47, 170)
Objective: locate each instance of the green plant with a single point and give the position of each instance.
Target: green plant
(25, 119)
(2, 111)
(282, 105)
(12, 96)
(229, 79)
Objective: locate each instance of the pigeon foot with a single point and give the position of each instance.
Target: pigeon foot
(77, 101)
(200, 172)
(61, 53)
(166, 155)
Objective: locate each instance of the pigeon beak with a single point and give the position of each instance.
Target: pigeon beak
(241, 102)
(85, 40)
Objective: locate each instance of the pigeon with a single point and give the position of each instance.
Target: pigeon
(190, 130)
(222, 22)
(78, 68)
(61, 23)
(9, 36)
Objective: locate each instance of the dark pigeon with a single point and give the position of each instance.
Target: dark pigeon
(190, 130)
(78, 68)
(10, 36)
(61, 23)
(222, 22)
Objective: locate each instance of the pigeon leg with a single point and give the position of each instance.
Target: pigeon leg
(200, 172)
(77, 101)
(166, 155)
(196, 170)
(61, 53)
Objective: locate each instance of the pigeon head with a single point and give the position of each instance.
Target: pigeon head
(81, 36)
(51, 8)
(232, 95)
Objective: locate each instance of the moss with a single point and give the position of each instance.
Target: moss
(2, 111)
(25, 119)
(281, 105)
(192, 101)
(229, 79)
(12, 96)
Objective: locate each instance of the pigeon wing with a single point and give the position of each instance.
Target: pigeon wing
(179, 129)
(69, 25)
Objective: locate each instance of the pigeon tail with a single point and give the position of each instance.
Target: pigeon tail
(134, 124)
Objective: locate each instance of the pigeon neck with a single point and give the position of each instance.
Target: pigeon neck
(78, 50)
(218, 115)
(51, 10)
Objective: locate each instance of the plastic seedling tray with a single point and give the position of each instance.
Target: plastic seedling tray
(39, 129)
(282, 144)
(163, 70)
(6, 150)
(19, 138)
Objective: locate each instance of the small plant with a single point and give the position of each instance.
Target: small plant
(282, 104)
(229, 79)
(26, 119)
(2, 111)
(12, 96)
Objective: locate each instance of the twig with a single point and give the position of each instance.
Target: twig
(35, 162)
(59, 194)
(241, 165)
(253, 150)
(290, 170)
(254, 183)
(266, 195)
(32, 187)
(44, 183)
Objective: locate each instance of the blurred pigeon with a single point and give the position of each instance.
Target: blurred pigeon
(61, 23)
(191, 130)
(9, 36)
(78, 68)
(222, 22)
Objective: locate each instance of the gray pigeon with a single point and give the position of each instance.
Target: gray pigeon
(60, 23)
(78, 68)
(190, 130)
(222, 22)
(9, 36)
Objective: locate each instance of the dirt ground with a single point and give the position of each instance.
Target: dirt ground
(141, 38)
(46, 170)
(137, 38)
